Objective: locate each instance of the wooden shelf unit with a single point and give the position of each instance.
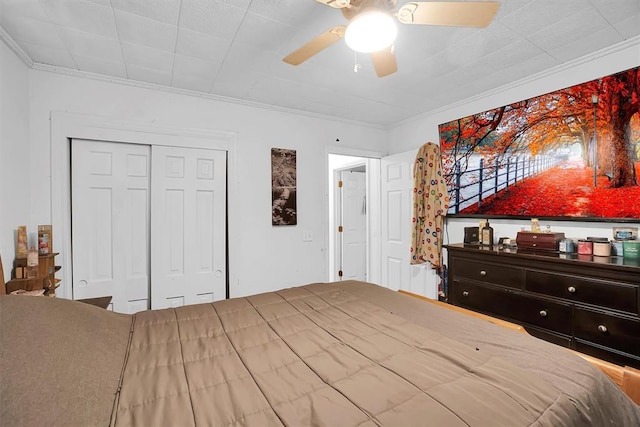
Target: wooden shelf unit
(46, 278)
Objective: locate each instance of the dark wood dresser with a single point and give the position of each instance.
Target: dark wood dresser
(589, 304)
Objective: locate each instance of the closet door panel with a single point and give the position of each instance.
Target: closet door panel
(188, 242)
(110, 222)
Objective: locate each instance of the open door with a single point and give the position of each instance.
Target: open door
(396, 219)
(356, 207)
(397, 191)
(352, 241)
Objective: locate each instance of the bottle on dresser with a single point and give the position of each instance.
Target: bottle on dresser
(486, 234)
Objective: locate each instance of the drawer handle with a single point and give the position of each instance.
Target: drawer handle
(483, 273)
(571, 289)
(465, 293)
(543, 313)
(602, 328)
(534, 236)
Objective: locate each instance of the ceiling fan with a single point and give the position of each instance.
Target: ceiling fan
(376, 15)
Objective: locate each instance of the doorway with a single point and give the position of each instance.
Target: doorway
(353, 218)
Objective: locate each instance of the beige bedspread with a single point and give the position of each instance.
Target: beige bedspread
(336, 354)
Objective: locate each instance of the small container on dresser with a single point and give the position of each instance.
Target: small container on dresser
(585, 247)
(567, 246)
(631, 248)
(616, 248)
(486, 234)
(544, 241)
(601, 249)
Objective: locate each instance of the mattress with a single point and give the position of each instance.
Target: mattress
(336, 354)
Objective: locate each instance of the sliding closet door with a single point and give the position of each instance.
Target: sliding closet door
(110, 222)
(188, 219)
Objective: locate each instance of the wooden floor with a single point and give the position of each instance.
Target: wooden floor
(626, 377)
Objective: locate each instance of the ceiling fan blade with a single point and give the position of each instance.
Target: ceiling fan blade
(456, 14)
(316, 45)
(338, 4)
(384, 61)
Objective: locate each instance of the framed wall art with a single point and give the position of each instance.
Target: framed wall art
(283, 187)
(569, 154)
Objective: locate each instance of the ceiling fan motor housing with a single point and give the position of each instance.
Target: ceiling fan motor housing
(358, 6)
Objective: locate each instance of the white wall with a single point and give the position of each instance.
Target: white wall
(270, 257)
(413, 133)
(15, 162)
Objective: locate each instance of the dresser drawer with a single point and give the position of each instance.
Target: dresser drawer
(615, 332)
(490, 273)
(519, 308)
(615, 295)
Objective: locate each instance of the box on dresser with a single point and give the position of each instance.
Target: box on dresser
(531, 240)
(587, 303)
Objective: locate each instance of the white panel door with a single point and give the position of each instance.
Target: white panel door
(397, 187)
(354, 223)
(188, 219)
(110, 222)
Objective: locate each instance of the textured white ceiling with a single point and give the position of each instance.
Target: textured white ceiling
(234, 48)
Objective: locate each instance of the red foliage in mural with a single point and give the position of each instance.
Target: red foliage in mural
(564, 189)
(590, 129)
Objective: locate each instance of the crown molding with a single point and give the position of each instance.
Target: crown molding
(11, 44)
(626, 44)
(152, 86)
(24, 57)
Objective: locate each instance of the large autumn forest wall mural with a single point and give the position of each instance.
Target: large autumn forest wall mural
(569, 154)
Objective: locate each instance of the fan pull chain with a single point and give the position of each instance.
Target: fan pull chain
(356, 66)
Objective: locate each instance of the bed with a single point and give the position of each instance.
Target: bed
(335, 354)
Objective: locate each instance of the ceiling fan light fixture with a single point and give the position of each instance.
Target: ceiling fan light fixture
(371, 31)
